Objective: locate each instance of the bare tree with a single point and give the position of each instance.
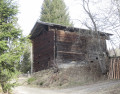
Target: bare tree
(105, 19)
(86, 7)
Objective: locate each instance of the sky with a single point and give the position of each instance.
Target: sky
(29, 13)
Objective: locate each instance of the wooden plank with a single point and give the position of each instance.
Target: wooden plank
(62, 32)
(68, 52)
(118, 69)
(112, 69)
(70, 56)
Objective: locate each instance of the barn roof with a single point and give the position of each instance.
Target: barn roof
(37, 28)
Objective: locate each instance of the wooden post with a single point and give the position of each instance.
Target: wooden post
(31, 58)
(118, 69)
(55, 49)
(112, 69)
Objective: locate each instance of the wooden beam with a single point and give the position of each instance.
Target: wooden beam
(68, 52)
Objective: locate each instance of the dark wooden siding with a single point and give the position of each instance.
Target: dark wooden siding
(43, 51)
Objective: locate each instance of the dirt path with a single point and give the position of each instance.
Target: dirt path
(99, 88)
(30, 90)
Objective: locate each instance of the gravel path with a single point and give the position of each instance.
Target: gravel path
(31, 90)
(87, 89)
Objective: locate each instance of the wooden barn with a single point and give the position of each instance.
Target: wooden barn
(58, 46)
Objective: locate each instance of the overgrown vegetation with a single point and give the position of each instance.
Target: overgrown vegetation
(30, 80)
(73, 76)
(25, 64)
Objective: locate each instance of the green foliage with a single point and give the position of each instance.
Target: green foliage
(54, 11)
(7, 86)
(11, 43)
(25, 65)
(30, 80)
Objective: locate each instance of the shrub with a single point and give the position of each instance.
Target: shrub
(6, 87)
(30, 80)
(41, 83)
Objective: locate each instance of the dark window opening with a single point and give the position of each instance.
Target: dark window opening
(96, 58)
(49, 58)
(91, 61)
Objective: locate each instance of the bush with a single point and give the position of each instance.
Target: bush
(41, 83)
(6, 87)
(30, 80)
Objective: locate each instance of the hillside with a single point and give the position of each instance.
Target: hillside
(68, 77)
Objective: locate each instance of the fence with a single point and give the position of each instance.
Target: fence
(114, 68)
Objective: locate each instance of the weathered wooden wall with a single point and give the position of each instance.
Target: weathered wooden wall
(58, 46)
(43, 51)
(77, 47)
(70, 46)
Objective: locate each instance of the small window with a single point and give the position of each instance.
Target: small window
(91, 61)
(96, 58)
